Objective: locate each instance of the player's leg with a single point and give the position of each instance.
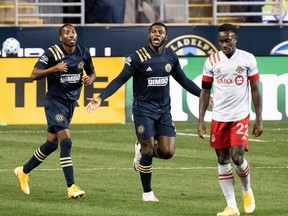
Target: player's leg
(63, 134)
(219, 140)
(37, 158)
(243, 171)
(145, 130)
(226, 181)
(67, 164)
(137, 155)
(41, 153)
(164, 145)
(145, 169)
(239, 142)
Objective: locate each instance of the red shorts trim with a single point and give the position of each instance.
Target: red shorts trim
(226, 134)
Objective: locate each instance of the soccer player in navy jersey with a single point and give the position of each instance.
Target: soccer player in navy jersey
(62, 65)
(151, 67)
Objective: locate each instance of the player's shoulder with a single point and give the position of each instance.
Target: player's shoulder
(245, 53)
(141, 54)
(214, 58)
(169, 52)
(82, 51)
(55, 51)
(81, 47)
(55, 48)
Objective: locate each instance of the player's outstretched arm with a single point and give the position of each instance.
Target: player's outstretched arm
(93, 104)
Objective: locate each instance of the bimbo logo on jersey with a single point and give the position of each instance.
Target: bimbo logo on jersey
(192, 45)
(157, 81)
(70, 78)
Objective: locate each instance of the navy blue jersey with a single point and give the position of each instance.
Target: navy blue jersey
(66, 85)
(151, 74)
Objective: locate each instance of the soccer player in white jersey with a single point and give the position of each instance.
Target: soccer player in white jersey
(231, 71)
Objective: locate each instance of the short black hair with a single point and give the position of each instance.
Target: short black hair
(159, 24)
(228, 27)
(63, 26)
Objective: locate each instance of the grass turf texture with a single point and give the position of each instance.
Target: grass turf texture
(102, 156)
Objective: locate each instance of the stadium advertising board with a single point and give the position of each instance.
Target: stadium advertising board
(22, 99)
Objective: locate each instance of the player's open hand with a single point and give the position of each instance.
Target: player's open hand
(93, 104)
(62, 67)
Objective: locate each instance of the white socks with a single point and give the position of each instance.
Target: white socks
(226, 181)
(243, 171)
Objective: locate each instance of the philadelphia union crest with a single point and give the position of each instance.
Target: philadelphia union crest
(192, 45)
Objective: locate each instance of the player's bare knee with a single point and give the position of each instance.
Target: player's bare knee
(237, 160)
(223, 161)
(167, 154)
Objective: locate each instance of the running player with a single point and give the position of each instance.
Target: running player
(231, 71)
(63, 66)
(151, 67)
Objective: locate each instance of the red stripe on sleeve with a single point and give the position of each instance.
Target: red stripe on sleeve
(207, 79)
(254, 77)
(210, 59)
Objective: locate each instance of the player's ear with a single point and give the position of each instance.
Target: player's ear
(60, 38)
(166, 37)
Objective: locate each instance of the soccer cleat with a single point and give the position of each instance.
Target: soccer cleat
(149, 197)
(23, 179)
(137, 157)
(249, 202)
(229, 211)
(75, 192)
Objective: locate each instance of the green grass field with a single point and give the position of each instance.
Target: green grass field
(102, 155)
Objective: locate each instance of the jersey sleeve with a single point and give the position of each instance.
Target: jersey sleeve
(253, 69)
(207, 74)
(130, 64)
(45, 60)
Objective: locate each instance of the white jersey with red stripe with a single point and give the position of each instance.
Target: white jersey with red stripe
(230, 78)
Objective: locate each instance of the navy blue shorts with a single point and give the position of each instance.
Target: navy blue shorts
(154, 125)
(58, 113)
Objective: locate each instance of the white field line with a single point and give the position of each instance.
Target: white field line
(156, 168)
